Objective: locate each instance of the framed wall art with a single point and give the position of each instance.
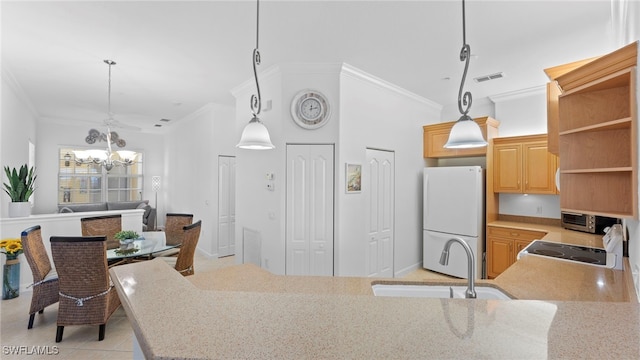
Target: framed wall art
(353, 178)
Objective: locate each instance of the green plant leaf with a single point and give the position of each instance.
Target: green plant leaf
(21, 183)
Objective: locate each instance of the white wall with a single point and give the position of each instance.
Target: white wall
(258, 209)
(17, 128)
(376, 114)
(522, 112)
(190, 177)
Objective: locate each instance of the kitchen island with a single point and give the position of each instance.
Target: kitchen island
(245, 312)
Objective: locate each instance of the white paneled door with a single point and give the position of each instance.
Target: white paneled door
(378, 187)
(226, 205)
(309, 236)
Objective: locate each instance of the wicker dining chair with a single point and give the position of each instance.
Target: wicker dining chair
(87, 296)
(183, 263)
(45, 278)
(107, 225)
(173, 232)
(173, 227)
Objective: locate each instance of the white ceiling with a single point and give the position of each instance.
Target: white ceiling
(173, 57)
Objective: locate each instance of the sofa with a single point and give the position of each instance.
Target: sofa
(148, 218)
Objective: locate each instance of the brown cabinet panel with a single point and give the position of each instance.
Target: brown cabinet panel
(539, 169)
(522, 164)
(434, 141)
(499, 255)
(513, 233)
(503, 246)
(507, 162)
(553, 117)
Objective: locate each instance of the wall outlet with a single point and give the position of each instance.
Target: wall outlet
(539, 209)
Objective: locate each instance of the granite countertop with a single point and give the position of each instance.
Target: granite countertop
(538, 278)
(245, 312)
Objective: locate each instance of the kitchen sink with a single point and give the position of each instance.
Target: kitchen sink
(437, 291)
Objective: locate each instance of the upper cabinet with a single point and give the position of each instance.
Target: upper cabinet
(522, 164)
(597, 136)
(435, 136)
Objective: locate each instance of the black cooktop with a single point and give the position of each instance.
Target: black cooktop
(569, 252)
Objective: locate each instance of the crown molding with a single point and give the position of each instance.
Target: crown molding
(266, 74)
(10, 80)
(355, 73)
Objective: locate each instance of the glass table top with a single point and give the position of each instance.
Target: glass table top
(150, 242)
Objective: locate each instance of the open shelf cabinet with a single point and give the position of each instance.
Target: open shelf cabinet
(597, 142)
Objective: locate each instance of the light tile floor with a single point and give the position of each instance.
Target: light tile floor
(81, 342)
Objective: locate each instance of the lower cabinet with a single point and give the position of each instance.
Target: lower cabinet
(503, 246)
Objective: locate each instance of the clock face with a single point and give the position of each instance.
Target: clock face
(310, 109)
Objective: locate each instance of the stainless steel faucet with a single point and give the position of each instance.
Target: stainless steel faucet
(471, 264)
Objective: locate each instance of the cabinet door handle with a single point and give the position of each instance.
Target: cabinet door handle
(514, 234)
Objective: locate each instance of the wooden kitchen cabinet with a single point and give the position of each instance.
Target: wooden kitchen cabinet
(553, 94)
(503, 246)
(522, 164)
(597, 130)
(435, 136)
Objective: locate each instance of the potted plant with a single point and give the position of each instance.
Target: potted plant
(126, 238)
(20, 188)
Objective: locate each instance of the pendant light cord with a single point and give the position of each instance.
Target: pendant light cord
(465, 55)
(109, 62)
(256, 101)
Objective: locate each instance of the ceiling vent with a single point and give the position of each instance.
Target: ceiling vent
(494, 76)
(162, 120)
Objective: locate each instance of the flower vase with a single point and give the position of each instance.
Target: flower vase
(126, 244)
(11, 278)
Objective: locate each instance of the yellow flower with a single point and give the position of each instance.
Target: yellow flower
(11, 246)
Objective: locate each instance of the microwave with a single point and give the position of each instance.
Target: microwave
(587, 223)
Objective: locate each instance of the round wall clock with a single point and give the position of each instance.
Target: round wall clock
(310, 109)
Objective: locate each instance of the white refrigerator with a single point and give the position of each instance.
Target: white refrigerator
(453, 207)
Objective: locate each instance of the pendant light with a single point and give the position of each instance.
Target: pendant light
(465, 133)
(255, 135)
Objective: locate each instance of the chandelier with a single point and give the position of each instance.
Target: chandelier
(465, 133)
(255, 135)
(107, 158)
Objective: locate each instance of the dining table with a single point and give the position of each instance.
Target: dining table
(142, 248)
